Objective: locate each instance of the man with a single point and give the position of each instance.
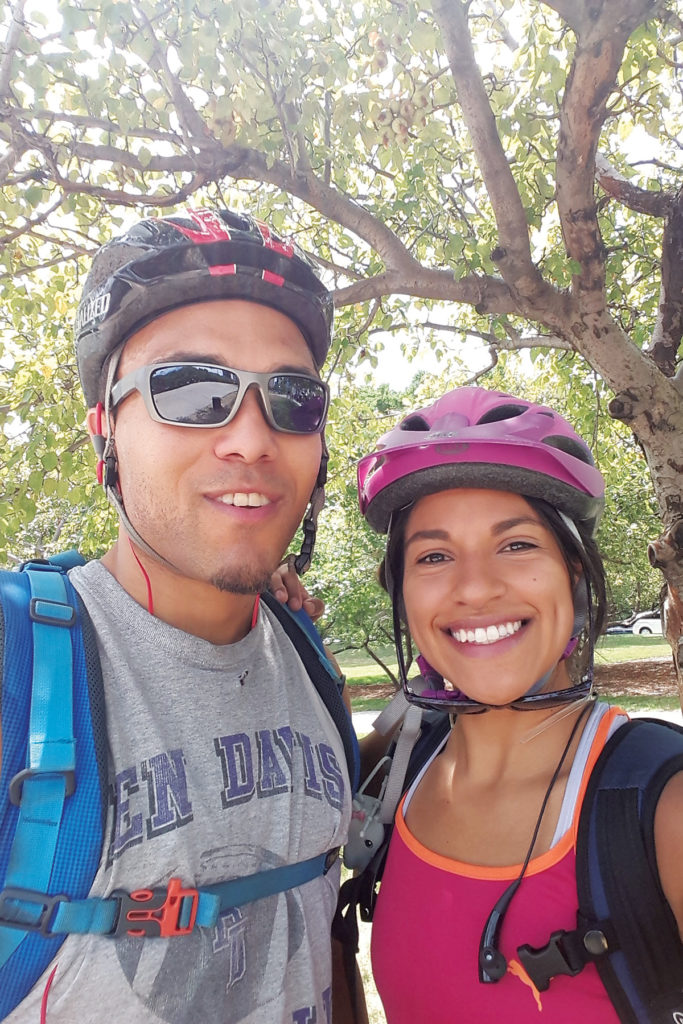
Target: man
(223, 761)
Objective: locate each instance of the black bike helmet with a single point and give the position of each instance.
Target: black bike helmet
(162, 263)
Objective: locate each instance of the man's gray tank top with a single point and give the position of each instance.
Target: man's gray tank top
(223, 761)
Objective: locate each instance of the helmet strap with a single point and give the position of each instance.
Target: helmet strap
(109, 473)
(309, 526)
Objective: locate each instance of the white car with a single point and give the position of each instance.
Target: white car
(647, 624)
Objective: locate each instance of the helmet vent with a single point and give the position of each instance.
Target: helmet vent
(503, 412)
(571, 447)
(415, 423)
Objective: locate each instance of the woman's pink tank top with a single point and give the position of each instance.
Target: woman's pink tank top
(428, 922)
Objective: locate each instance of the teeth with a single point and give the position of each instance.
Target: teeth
(486, 635)
(241, 499)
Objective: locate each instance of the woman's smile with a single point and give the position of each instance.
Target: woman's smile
(486, 584)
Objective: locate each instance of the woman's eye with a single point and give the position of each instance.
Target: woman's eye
(433, 558)
(519, 545)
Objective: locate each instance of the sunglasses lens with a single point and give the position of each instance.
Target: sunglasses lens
(298, 403)
(205, 396)
(201, 395)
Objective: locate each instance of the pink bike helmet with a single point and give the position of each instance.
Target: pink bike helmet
(476, 438)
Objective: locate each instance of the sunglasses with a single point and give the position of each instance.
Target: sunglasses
(207, 395)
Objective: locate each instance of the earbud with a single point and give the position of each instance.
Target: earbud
(492, 965)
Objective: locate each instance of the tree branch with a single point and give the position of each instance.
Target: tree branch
(514, 341)
(641, 200)
(513, 255)
(14, 32)
(668, 331)
(602, 32)
(192, 126)
(486, 294)
(99, 123)
(29, 225)
(240, 163)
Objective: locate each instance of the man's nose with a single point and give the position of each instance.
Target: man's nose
(248, 435)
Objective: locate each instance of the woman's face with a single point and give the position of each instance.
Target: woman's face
(487, 593)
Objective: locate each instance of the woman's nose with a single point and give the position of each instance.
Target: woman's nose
(477, 580)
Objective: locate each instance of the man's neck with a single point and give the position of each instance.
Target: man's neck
(192, 605)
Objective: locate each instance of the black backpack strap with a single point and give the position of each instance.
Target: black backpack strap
(323, 677)
(625, 925)
(617, 875)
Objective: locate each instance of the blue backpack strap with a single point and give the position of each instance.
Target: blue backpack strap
(46, 714)
(306, 639)
(625, 925)
(176, 909)
(51, 816)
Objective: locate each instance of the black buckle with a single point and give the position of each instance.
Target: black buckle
(39, 899)
(52, 613)
(17, 784)
(155, 913)
(569, 952)
(545, 963)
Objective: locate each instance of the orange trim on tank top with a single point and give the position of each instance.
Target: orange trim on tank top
(537, 864)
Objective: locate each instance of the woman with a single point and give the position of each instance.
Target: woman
(491, 505)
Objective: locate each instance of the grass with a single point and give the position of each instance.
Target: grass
(611, 649)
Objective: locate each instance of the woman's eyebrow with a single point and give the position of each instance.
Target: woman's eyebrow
(509, 524)
(427, 535)
(502, 527)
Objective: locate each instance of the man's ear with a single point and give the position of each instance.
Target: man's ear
(95, 421)
(98, 428)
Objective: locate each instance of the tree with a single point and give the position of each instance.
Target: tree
(344, 572)
(489, 156)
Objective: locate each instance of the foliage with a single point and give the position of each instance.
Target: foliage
(504, 171)
(348, 553)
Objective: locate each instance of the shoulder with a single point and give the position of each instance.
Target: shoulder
(669, 844)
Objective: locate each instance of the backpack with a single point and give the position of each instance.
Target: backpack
(624, 924)
(53, 783)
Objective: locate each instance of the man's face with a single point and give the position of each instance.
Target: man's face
(221, 504)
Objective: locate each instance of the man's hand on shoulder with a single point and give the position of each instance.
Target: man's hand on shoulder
(287, 587)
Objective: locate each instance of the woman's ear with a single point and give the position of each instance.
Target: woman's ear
(581, 599)
(575, 571)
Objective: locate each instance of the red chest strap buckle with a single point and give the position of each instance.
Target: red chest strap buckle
(155, 913)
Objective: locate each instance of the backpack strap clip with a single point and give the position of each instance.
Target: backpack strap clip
(566, 953)
(44, 905)
(16, 785)
(157, 912)
(51, 612)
